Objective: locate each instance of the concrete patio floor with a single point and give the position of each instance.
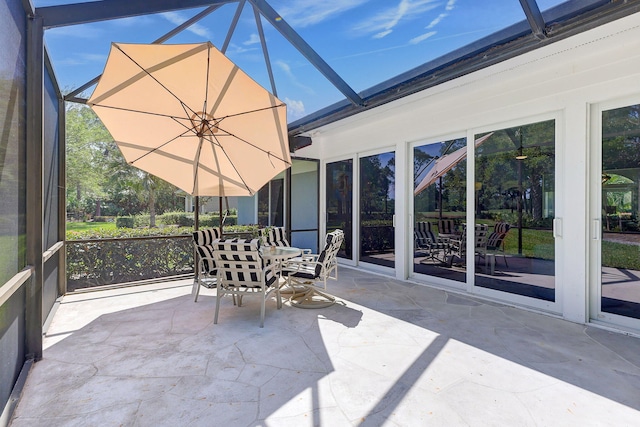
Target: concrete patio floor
(390, 353)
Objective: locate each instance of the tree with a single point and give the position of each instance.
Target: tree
(97, 172)
(86, 142)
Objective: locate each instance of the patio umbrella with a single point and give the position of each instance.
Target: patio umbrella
(444, 164)
(187, 114)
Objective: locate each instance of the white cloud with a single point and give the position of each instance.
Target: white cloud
(303, 13)
(450, 5)
(286, 68)
(382, 34)
(385, 21)
(436, 21)
(82, 59)
(423, 37)
(178, 19)
(253, 39)
(295, 109)
(235, 49)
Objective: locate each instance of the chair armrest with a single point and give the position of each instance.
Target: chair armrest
(297, 264)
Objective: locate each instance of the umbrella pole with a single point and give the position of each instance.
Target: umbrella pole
(196, 214)
(440, 198)
(220, 212)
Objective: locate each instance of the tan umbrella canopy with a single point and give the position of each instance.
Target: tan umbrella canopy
(444, 164)
(187, 114)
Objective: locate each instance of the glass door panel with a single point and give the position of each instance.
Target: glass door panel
(377, 207)
(515, 193)
(620, 181)
(271, 202)
(304, 204)
(339, 202)
(439, 208)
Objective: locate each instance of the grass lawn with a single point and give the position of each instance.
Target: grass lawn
(535, 243)
(93, 226)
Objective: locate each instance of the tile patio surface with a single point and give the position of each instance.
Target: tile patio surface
(390, 353)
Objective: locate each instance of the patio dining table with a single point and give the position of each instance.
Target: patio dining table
(278, 255)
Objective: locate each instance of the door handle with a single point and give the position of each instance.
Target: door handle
(596, 229)
(557, 228)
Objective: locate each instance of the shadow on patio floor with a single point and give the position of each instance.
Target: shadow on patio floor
(390, 352)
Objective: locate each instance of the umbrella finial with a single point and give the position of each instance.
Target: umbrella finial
(203, 124)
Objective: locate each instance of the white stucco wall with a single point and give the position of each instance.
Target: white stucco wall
(564, 80)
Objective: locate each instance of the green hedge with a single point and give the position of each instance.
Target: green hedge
(103, 257)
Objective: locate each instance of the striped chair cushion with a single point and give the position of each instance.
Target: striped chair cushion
(241, 264)
(203, 240)
(446, 226)
(206, 254)
(206, 237)
(423, 231)
(501, 227)
(274, 236)
(332, 246)
(494, 241)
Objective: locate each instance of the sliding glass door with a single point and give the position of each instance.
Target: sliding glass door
(514, 242)
(616, 231)
(377, 209)
(439, 208)
(339, 202)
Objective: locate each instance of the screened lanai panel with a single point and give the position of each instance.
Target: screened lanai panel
(12, 190)
(51, 162)
(51, 200)
(12, 139)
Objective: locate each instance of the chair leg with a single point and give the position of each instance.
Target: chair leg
(219, 294)
(262, 309)
(196, 289)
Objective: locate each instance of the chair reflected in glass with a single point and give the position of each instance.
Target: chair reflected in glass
(459, 246)
(495, 243)
(242, 272)
(426, 241)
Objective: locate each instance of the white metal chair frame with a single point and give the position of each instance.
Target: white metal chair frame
(242, 271)
(205, 265)
(316, 267)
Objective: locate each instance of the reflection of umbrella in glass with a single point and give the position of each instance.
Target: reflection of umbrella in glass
(187, 114)
(444, 164)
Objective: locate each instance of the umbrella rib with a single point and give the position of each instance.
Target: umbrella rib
(270, 153)
(230, 162)
(251, 111)
(153, 77)
(159, 147)
(130, 110)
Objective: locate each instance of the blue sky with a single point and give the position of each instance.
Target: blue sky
(364, 41)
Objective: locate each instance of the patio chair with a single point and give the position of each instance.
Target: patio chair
(316, 267)
(426, 241)
(303, 273)
(242, 272)
(276, 236)
(495, 241)
(205, 265)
